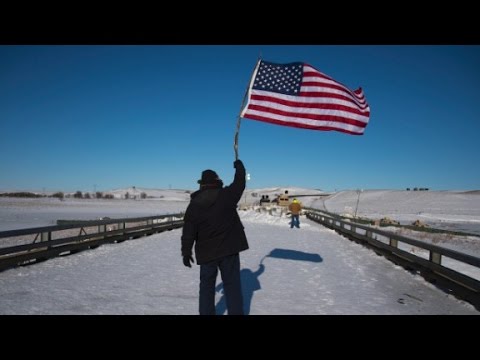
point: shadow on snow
(250, 281)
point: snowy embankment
(431, 207)
(26, 213)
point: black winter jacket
(212, 222)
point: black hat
(208, 177)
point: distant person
(212, 223)
(295, 208)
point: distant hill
(250, 195)
(474, 192)
(158, 194)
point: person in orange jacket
(295, 208)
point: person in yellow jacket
(295, 208)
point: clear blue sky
(106, 117)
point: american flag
(298, 95)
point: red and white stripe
(323, 104)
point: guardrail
(25, 246)
(395, 248)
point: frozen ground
(286, 271)
(25, 213)
(451, 210)
(307, 271)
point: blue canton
(280, 78)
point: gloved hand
(187, 260)
(237, 163)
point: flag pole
(235, 143)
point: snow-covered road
(311, 270)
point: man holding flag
(212, 225)
(295, 95)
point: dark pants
(295, 221)
(230, 271)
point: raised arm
(239, 181)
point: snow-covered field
(454, 210)
(448, 210)
(25, 213)
(451, 210)
(311, 270)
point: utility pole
(359, 191)
(247, 179)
